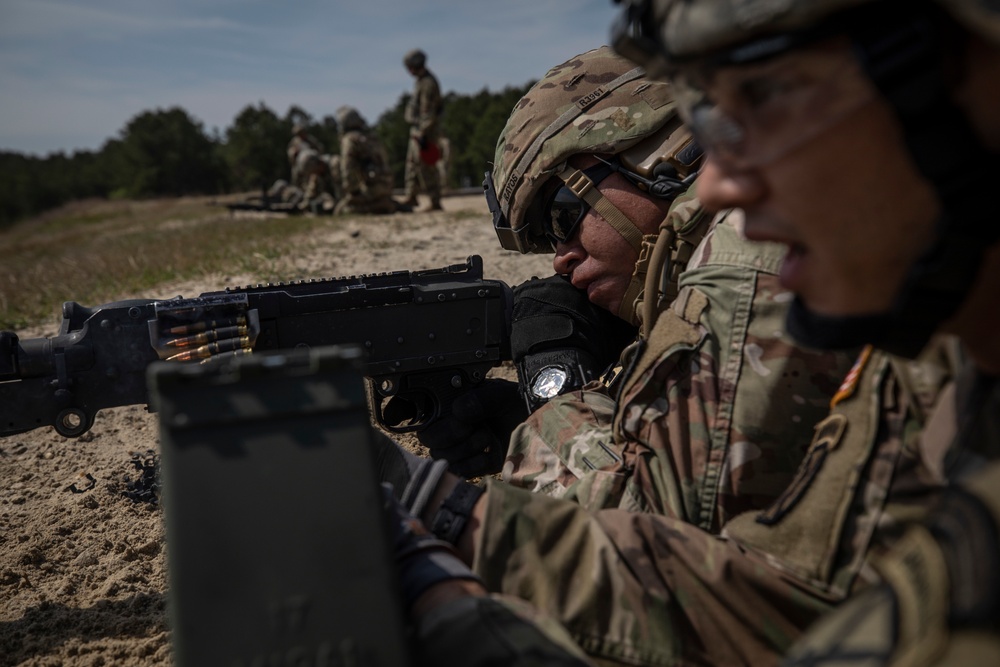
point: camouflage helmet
(595, 103)
(661, 33)
(415, 59)
(349, 119)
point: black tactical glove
(473, 439)
(560, 341)
(422, 559)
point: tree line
(168, 153)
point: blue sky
(73, 72)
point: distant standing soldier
(423, 113)
(301, 140)
(365, 176)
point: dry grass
(97, 251)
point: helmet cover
(696, 28)
(595, 103)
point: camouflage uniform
(313, 170)
(684, 596)
(366, 180)
(936, 598)
(718, 412)
(638, 588)
(423, 114)
(715, 415)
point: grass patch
(95, 252)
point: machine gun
(427, 336)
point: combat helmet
(596, 103)
(662, 33)
(349, 119)
(907, 50)
(415, 59)
(600, 104)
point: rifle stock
(427, 336)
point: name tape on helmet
(564, 119)
(591, 97)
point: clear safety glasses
(753, 114)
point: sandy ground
(83, 577)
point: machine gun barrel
(427, 335)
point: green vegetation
(93, 252)
(168, 153)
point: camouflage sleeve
(496, 630)
(639, 588)
(565, 450)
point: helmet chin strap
(581, 185)
(661, 256)
(953, 160)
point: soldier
(423, 114)
(365, 176)
(728, 405)
(313, 171)
(301, 139)
(774, 131)
(786, 97)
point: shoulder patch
(826, 438)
